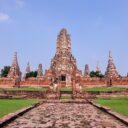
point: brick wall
(90, 82)
(85, 82)
(6, 82)
(35, 82)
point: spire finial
(110, 54)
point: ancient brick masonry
(40, 71)
(98, 68)
(63, 70)
(111, 68)
(86, 72)
(14, 76)
(63, 65)
(111, 74)
(14, 70)
(27, 70)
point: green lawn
(17, 96)
(25, 89)
(66, 89)
(69, 89)
(104, 89)
(119, 105)
(65, 97)
(9, 106)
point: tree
(96, 74)
(31, 74)
(4, 71)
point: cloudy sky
(30, 27)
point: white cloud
(4, 17)
(19, 3)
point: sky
(30, 27)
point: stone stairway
(66, 94)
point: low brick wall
(12, 116)
(35, 82)
(120, 117)
(93, 82)
(123, 93)
(6, 82)
(84, 81)
(28, 94)
(50, 95)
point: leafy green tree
(31, 74)
(4, 71)
(96, 74)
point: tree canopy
(31, 74)
(96, 74)
(4, 71)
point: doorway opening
(63, 78)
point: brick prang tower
(14, 70)
(111, 68)
(63, 65)
(86, 71)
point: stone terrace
(65, 115)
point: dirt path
(67, 115)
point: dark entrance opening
(63, 78)
(109, 82)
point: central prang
(63, 65)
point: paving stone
(65, 115)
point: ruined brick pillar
(111, 72)
(86, 71)
(40, 71)
(98, 67)
(27, 70)
(14, 72)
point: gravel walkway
(65, 115)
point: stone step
(66, 92)
(81, 101)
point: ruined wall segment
(64, 69)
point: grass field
(9, 106)
(104, 89)
(66, 89)
(17, 96)
(65, 97)
(119, 105)
(69, 89)
(25, 89)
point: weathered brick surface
(54, 95)
(66, 115)
(35, 82)
(6, 82)
(63, 69)
(85, 82)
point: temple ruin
(63, 71)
